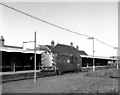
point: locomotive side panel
(65, 63)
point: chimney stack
(1, 41)
(52, 43)
(71, 44)
(77, 47)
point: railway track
(22, 75)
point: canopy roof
(98, 57)
(9, 49)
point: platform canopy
(7, 49)
(98, 57)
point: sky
(98, 19)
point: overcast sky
(98, 19)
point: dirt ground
(68, 83)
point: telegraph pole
(93, 53)
(117, 56)
(35, 57)
(93, 56)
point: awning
(97, 57)
(7, 49)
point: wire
(54, 24)
(44, 20)
(104, 43)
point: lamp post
(35, 58)
(34, 55)
(93, 53)
(117, 56)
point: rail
(29, 71)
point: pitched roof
(50, 47)
(60, 48)
(82, 52)
(43, 47)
